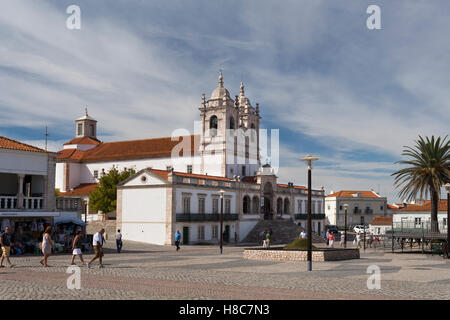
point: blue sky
(352, 96)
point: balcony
(29, 203)
(207, 217)
(314, 216)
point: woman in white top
(47, 244)
(358, 240)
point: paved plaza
(145, 271)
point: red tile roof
(201, 176)
(83, 189)
(85, 140)
(295, 187)
(426, 206)
(6, 143)
(382, 221)
(134, 149)
(350, 194)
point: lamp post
(309, 159)
(447, 188)
(221, 192)
(345, 225)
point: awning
(70, 220)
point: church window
(189, 169)
(231, 123)
(213, 126)
(253, 132)
(80, 129)
(92, 130)
(95, 174)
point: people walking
(119, 241)
(268, 235)
(326, 236)
(330, 239)
(358, 240)
(76, 248)
(303, 234)
(370, 239)
(47, 245)
(264, 239)
(342, 239)
(97, 243)
(177, 239)
(5, 242)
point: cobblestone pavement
(199, 272)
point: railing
(11, 202)
(7, 202)
(304, 216)
(33, 202)
(195, 217)
(368, 211)
(356, 210)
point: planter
(279, 254)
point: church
(183, 183)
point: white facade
(361, 209)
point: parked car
(360, 229)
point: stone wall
(291, 255)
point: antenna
(46, 137)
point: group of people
(266, 235)
(356, 242)
(48, 244)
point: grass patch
(298, 244)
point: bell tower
(86, 127)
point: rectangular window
(186, 205)
(313, 207)
(201, 232)
(215, 204)
(168, 168)
(227, 206)
(201, 205)
(214, 232)
(189, 169)
(417, 221)
(95, 174)
(92, 130)
(80, 129)
(243, 171)
(381, 208)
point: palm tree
(428, 170)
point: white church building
(177, 181)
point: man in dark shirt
(5, 241)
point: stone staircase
(284, 231)
(109, 226)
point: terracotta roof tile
(6, 143)
(382, 221)
(426, 206)
(83, 189)
(350, 194)
(134, 149)
(85, 140)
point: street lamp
(345, 225)
(221, 192)
(447, 188)
(309, 159)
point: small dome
(220, 91)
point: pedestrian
(177, 239)
(76, 248)
(264, 239)
(326, 236)
(268, 235)
(358, 240)
(119, 241)
(5, 242)
(97, 242)
(47, 245)
(342, 239)
(330, 239)
(369, 239)
(303, 234)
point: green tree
(426, 171)
(104, 197)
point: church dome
(220, 91)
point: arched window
(231, 123)
(253, 132)
(246, 205)
(279, 206)
(255, 205)
(213, 126)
